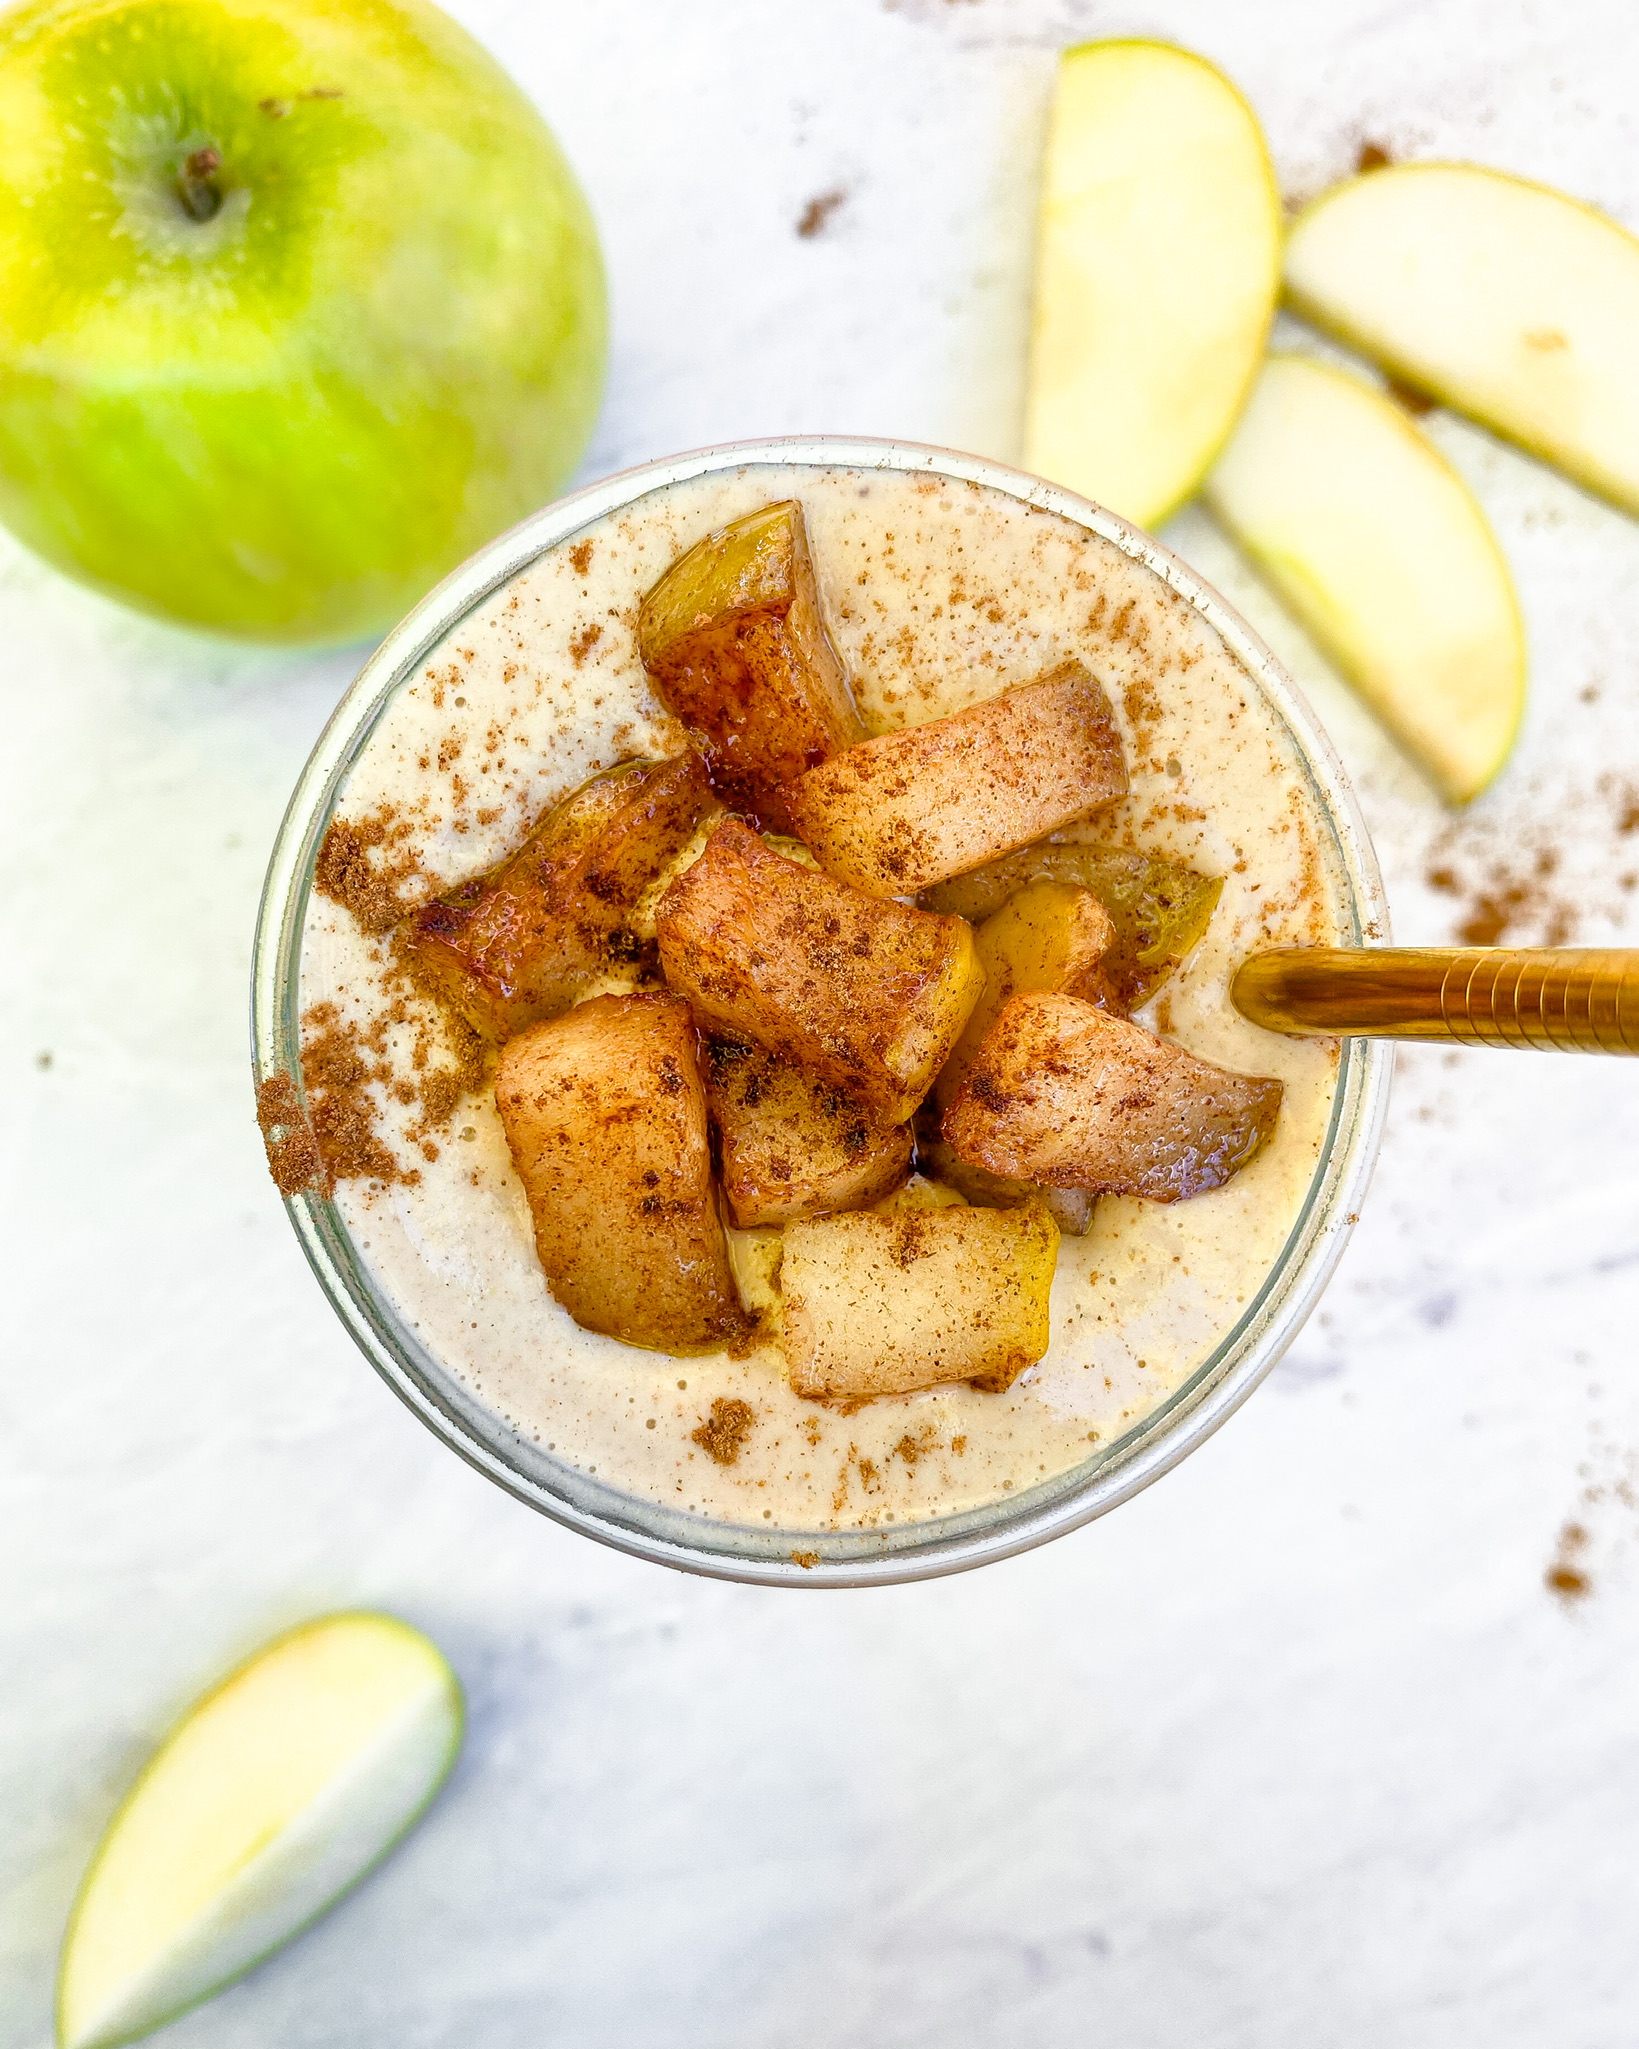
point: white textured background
(1296, 1749)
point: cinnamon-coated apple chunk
(792, 1143)
(908, 809)
(605, 1114)
(516, 946)
(735, 642)
(870, 995)
(1066, 1094)
(1050, 936)
(879, 1304)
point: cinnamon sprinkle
(372, 890)
(292, 1151)
(412, 1051)
(722, 1434)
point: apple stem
(196, 184)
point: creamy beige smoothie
(937, 594)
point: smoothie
(937, 595)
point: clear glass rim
(694, 1543)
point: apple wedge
(265, 1803)
(1502, 299)
(1379, 548)
(1157, 271)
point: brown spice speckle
(1564, 1578)
(818, 211)
(372, 889)
(292, 1151)
(722, 1434)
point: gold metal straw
(1570, 999)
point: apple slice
(1502, 299)
(261, 1807)
(1380, 549)
(1157, 272)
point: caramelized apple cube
(518, 945)
(869, 995)
(1065, 1094)
(908, 809)
(1050, 936)
(792, 1143)
(1159, 908)
(879, 1304)
(605, 1114)
(734, 640)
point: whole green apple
(299, 304)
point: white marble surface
(1295, 1749)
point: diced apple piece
(1070, 1208)
(1068, 1095)
(883, 1304)
(1503, 299)
(516, 946)
(264, 1804)
(793, 1144)
(1051, 936)
(1159, 910)
(1157, 271)
(605, 1114)
(1380, 549)
(870, 995)
(909, 808)
(734, 639)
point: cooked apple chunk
(1050, 936)
(886, 1303)
(1065, 1094)
(910, 808)
(870, 995)
(515, 946)
(733, 637)
(793, 1144)
(605, 1113)
(1159, 909)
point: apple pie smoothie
(937, 595)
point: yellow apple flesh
(1378, 546)
(1157, 272)
(1504, 300)
(262, 1806)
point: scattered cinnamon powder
(1372, 157)
(1564, 1578)
(1507, 897)
(373, 890)
(722, 1434)
(806, 1559)
(292, 1151)
(1518, 868)
(817, 212)
(580, 556)
(339, 1063)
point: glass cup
(763, 1554)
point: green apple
(1379, 548)
(265, 1803)
(1504, 300)
(299, 304)
(1157, 271)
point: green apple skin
(385, 344)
